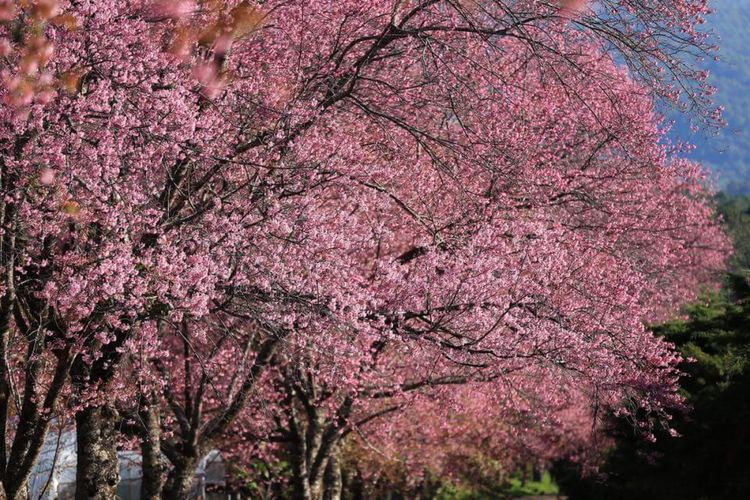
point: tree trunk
(152, 465)
(14, 491)
(333, 484)
(325, 486)
(358, 486)
(97, 473)
(180, 479)
(300, 478)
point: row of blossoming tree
(275, 228)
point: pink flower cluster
(423, 222)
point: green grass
(513, 488)
(544, 487)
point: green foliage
(515, 486)
(736, 213)
(712, 458)
(545, 486)
(261, 479)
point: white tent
(54, 474)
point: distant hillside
(729, 153)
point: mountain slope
(728, 152)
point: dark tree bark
(333, 483)
(357, 487)
(316, 470)
(153, 465)
(180, 478)
(300, 479)
(97, 472)
(36, 411)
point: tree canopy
(263, 228)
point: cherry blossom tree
(486, 434)
(294, 217)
